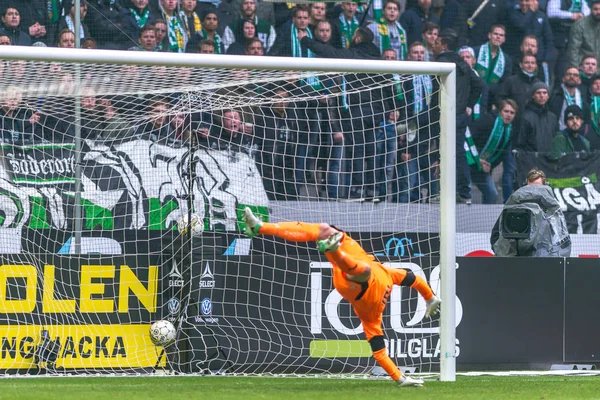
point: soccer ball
(162, 333)
(195, 226)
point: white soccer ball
(162, 333)
(195, 226)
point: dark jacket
(530, 23)
(495, 87)
(130, 26)
(468, 84)
(18, 37)
(536, 128)
(105, 22)
(518, 88)
(412, 21)
(563, 142)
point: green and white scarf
(497, 142)
(71, 27)
(489, 70)
(377, 9)
(313, 81)
(494, 147)
(217, 39)
(423, 88)
(471, 150)
(384, 38)
(348, 29)
(595, 108)
(398, 89)
(176, 34)
(576, 6)
(140, 20)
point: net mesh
(161, 145)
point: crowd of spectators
(521, 65)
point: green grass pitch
(250, 388)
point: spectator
(136, 16)
(146, 39)
(16, 121)
(112, 126)
(245, 31)
(468, 91)
(264, 30)
(490, 146)
(279, 142)
(206, 46)
(176, 35)
(593, 131)
(429, 33)
(161, 29)
(413, 19)
(584, 35)
(4, 39)
(494, 13)
(562, 15)
(210, 26)
(345, 25)
(157, 129)
(387, 31)
(105, 22)
(566, 94)
(288, 39)
(413, 154)
(11, 26)
(571, 140)
(189, 17)
(66, 39)
(529, 20)
(89, 43)
(587, 70)
(36, 22)
(68, 21)
(493, 65)
(468, 55)
(316, 12)
(538, 125)
(254, 47)
(518, 86)
(323, 32)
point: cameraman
(531, 223)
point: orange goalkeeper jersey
(367, 298)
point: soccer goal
(108, 155)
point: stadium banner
(573, 177)
(42, 165)
(136, 184)
(98, 309)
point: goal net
(102, 164)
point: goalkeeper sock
(292, 231)
(387, 364)
(422, 287)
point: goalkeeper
(357, 276)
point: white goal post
(447, 147)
